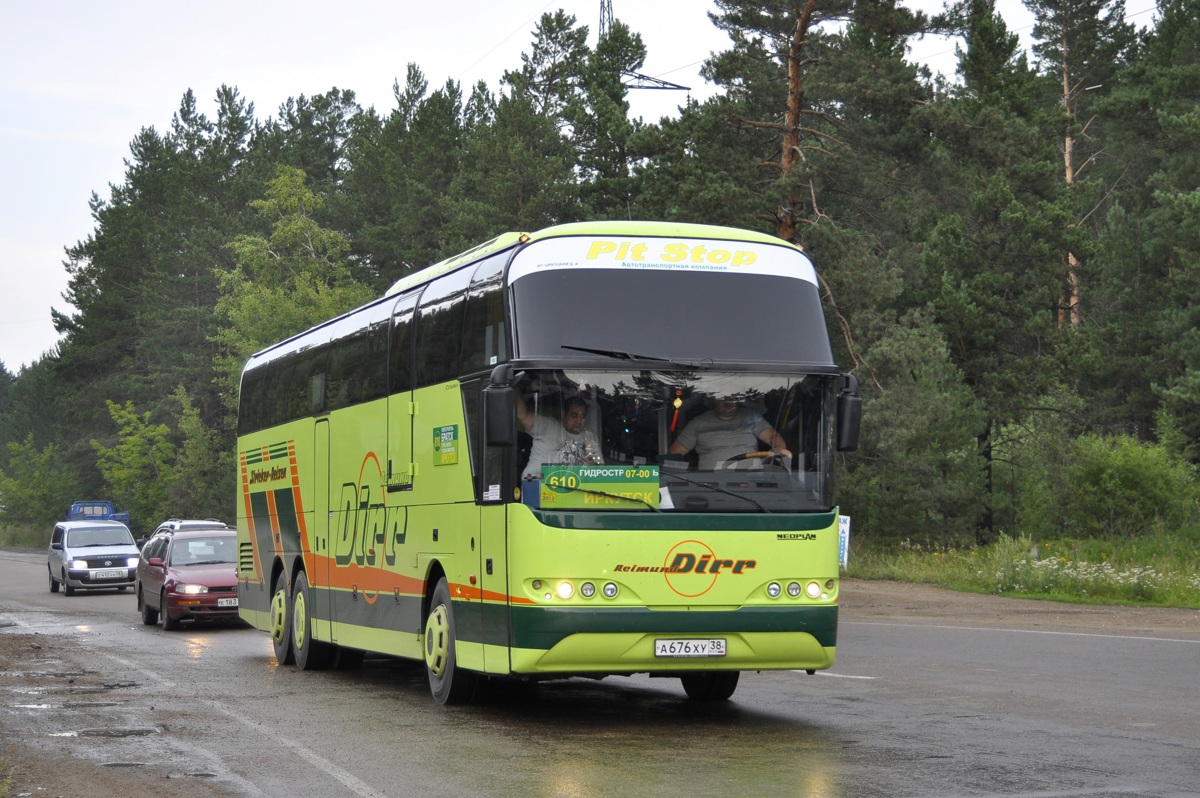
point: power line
(635, 80)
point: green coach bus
(602, 448)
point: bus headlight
(610, 589)
(794, 589)
(565, 590)
(773, 590)
(813, 589)
(587, 590)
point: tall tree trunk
(1069, 303)
(786, 226)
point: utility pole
(634, 80)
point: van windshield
(83, 538)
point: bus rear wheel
(281, 626)
(717, 686)
(448, 683)
(311, 654)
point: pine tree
(1080, 44)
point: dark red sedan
(188, 574)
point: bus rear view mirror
(849, 415)
(499, 415)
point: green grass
(24, 536)
(6, 771)
(1162, 572)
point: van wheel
(281, 623)
(311, 654)
(169, 624)
(149, 616)
(448, 683)
(70, 591)
(53, 581)
(710, 686)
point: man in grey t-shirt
(726, 431)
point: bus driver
(726, 431)
(568, 443)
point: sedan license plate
(690, 648)
(108, 574)
(227, 602)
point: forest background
(1010, 261)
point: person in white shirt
(568, 443)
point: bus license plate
(108, 574)
(690, 648)
(227, 602)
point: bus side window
(400, 365)
(484, 331)
(439, 328)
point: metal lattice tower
(635, 80)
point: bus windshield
(709, 441)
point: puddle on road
(122, 764)
(110, 733)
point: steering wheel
(773, 459)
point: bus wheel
(447, 682)
(710, 686)
(281, 627)
(310, 654)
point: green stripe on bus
(698, 522)
(541, 628)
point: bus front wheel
(710, 686)
(281, 626)
(448, 683)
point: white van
(91, 555)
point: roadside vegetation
(6, 771)
(1152, 571)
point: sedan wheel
(149, 615)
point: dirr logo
(691, 568)
(364, 532)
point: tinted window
(485, 337)
(440, 328)
(735, 318)
(400, 348)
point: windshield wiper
(617, 354)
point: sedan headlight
(191, 590)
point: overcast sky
(80, 78)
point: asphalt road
(933, 694)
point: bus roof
(633, 228)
